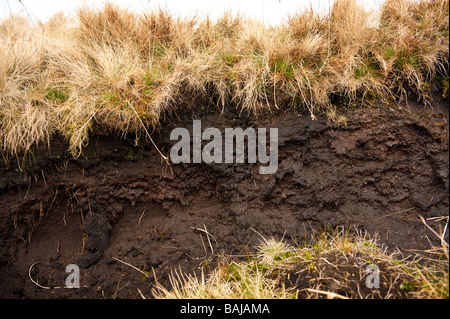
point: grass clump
(75, 76)
(334, 264)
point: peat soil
(126, 217)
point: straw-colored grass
(111, 70)
(333, 264)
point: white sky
(270, 11)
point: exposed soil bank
(377, 173)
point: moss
(133, 154)
(57, 94)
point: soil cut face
(121, 205)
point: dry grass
(332, 265)
(110, 70)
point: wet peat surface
(121, 208)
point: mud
(121, 205)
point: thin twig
(441, 237)
(140, 292)
(25, 10)
(125, 263)
(207, 236)
(140, 218)
(399, 212)
(35, 282)
(330, 295)
(149, 136)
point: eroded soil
(378, 173)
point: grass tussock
(113, 71)
(334, 264)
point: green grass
(57, 94)
(283, 67)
